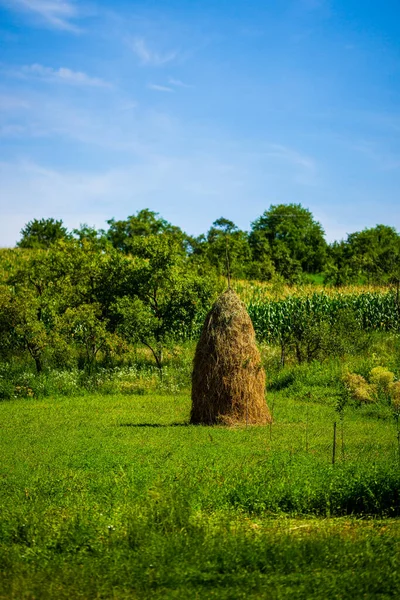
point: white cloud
(150, 57)
(160, 182)
(292, 156)
(61, 75)
(115, 125)
(159, 88)
(55, 13)
(127, 105)
(189, 191)
(178, 83)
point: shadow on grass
(154, 425)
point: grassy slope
(116, 497)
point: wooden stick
(334, 443)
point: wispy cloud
(293, 156)
(150, 57)
(160, 182)
(178, 83)
(61, 75)
(383, 159)
(55, 13)
(159, 88)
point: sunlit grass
(116, 496)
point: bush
(382, 378)
(359, 389)
(6, 389)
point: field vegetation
(117, 496)
(107, 491)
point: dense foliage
(79, 302)
(88, 297)
(284, 242)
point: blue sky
(199, 109)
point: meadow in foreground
(117, 497)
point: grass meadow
(116, 496)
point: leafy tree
(339, 269)
(86, 325)
(21, 326)
(291, 238)
(261, 266)
(96, 237)
(40, 234)
(375, 252)
(49, 284)
(123, 234)
(371, 255)
(225, 243)
(167, 297)
(32, 305)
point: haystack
(228, 380)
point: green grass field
(117, 497)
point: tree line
(87, 297)
(285, 242)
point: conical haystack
(228, 380)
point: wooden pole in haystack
(228, 380)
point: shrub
(395, 395)
(382, 378)
(6, 389)
(358, 388)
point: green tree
(124, 233)
(261, 266)
(338, 268)
(371, 255)
(47, 285)
(41, 233)
(291, 238)
(225, 244)
(96, 237)
(32, 305)
(22, 327)
(375, 253)
(167, 296)
(89, 330)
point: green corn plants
(275, 320)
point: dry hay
(228, 380)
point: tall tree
(41, 233)
(375, 252)
(371, 255)
(96, 237)
(123, 234)
(166, 297)
(292, 238)
(225, 244)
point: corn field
(373, 311)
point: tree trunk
(38, 363)
(158, 356)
